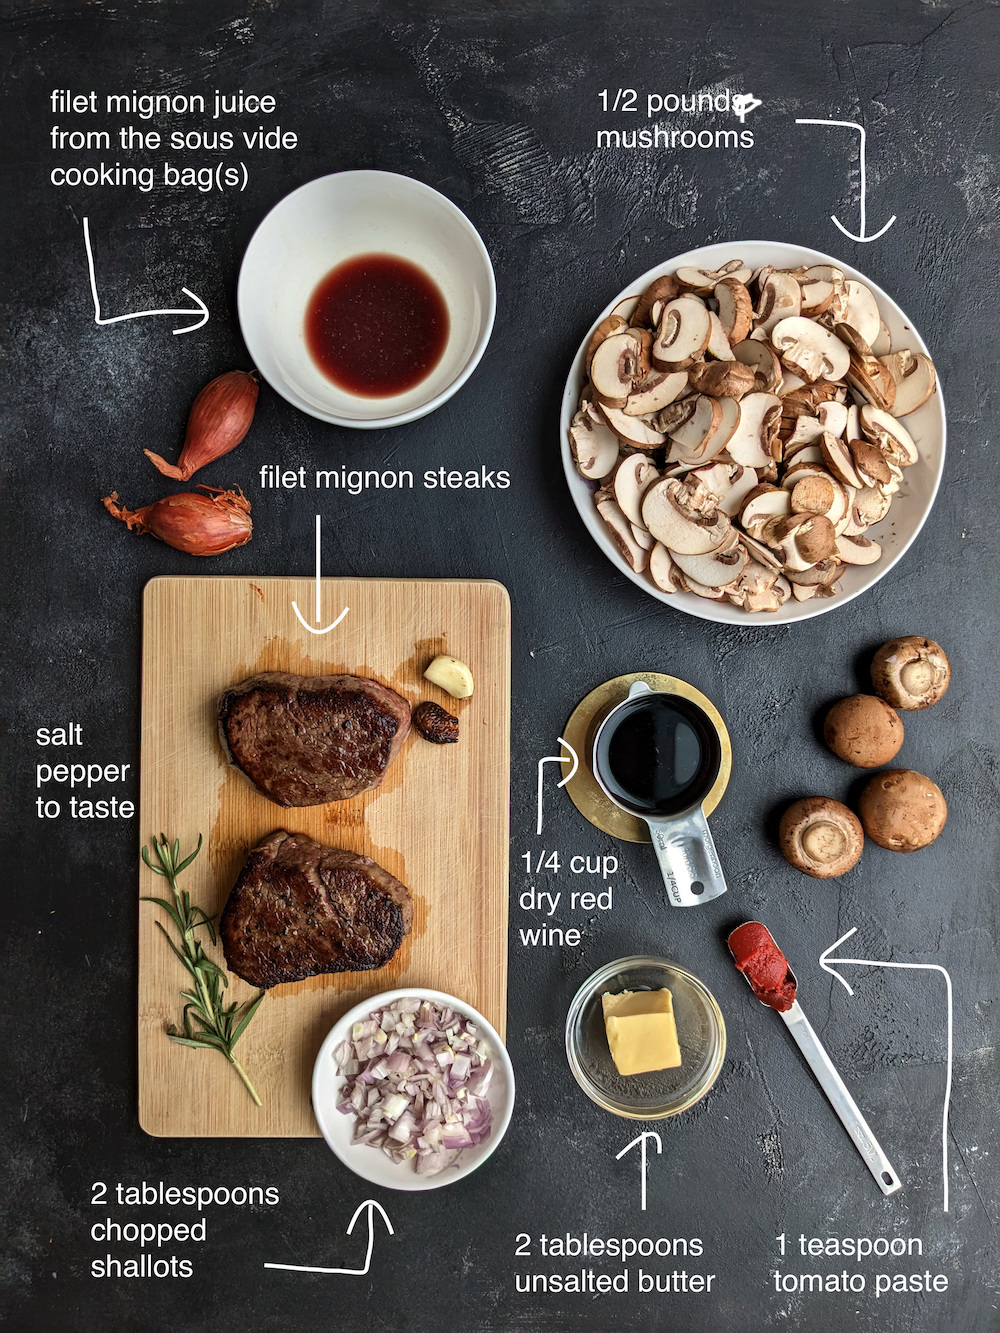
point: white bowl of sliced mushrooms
(753, 427)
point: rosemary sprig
(219, 1027)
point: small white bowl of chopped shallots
(413, 1089)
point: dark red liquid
(376, 325)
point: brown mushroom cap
(820, 837)
(863, 730)
(911, 672)
(902, 810)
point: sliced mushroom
(722, 379)
(735, 308)
(662, 289)
(594, 444)
(753, 443)
(683, 334)
(866, 374)
(857, 550)
(718, 347)
(882, 345)
(703, 281)
(806, 431)
(761, 554)
(685, 517)
(914, 377)
(742, 482)
(635, 431)
(869, 463)
(716, 569)
(617, 367)
(643, 538)
(688, 439)
(802, 453)
(621, 532)
(813, 495)
(893, 439)
(626, 308)
(780, 298)
(816, 298)
(802, 539)
(810, 350)
(656, 391)
(862, 311)
(833, 418)
(662, 569)
(633, 477)
(699, 589)
(837, 457)
(609, 325)
(724, 431)
(762, 361)
(762, 506)
(871, 505)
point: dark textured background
(496, 106)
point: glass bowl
(701, 1033)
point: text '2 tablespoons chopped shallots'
(417, 1075)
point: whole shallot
(219, 419)
(198, 524)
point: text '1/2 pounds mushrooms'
(742, 430)
(911, 672)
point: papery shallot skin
(219, 419)
(208, 524)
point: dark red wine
(376, 325)
(661, 755)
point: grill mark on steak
(299, 909)
(307, 740)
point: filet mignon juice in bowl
(366, 299)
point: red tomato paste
(763, 964)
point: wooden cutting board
(438, 822)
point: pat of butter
(641, 1031)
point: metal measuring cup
(681, 838)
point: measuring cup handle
(688, 860)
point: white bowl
(910, 506)
(331, 219)
(371, 1163)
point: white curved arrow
(641, 1140)
(924, 967)
(319, 590)
(201, 307)
(371, 1205)
(853, 125)
(572, 758)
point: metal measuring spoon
(682, 841)
(778, 993)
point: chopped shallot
(416, 1077)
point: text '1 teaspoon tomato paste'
(763, 964)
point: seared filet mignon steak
(299, 908)
(306, 740)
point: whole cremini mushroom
(820, 837)
(863, 730)
(902, 811)
(911, 672)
